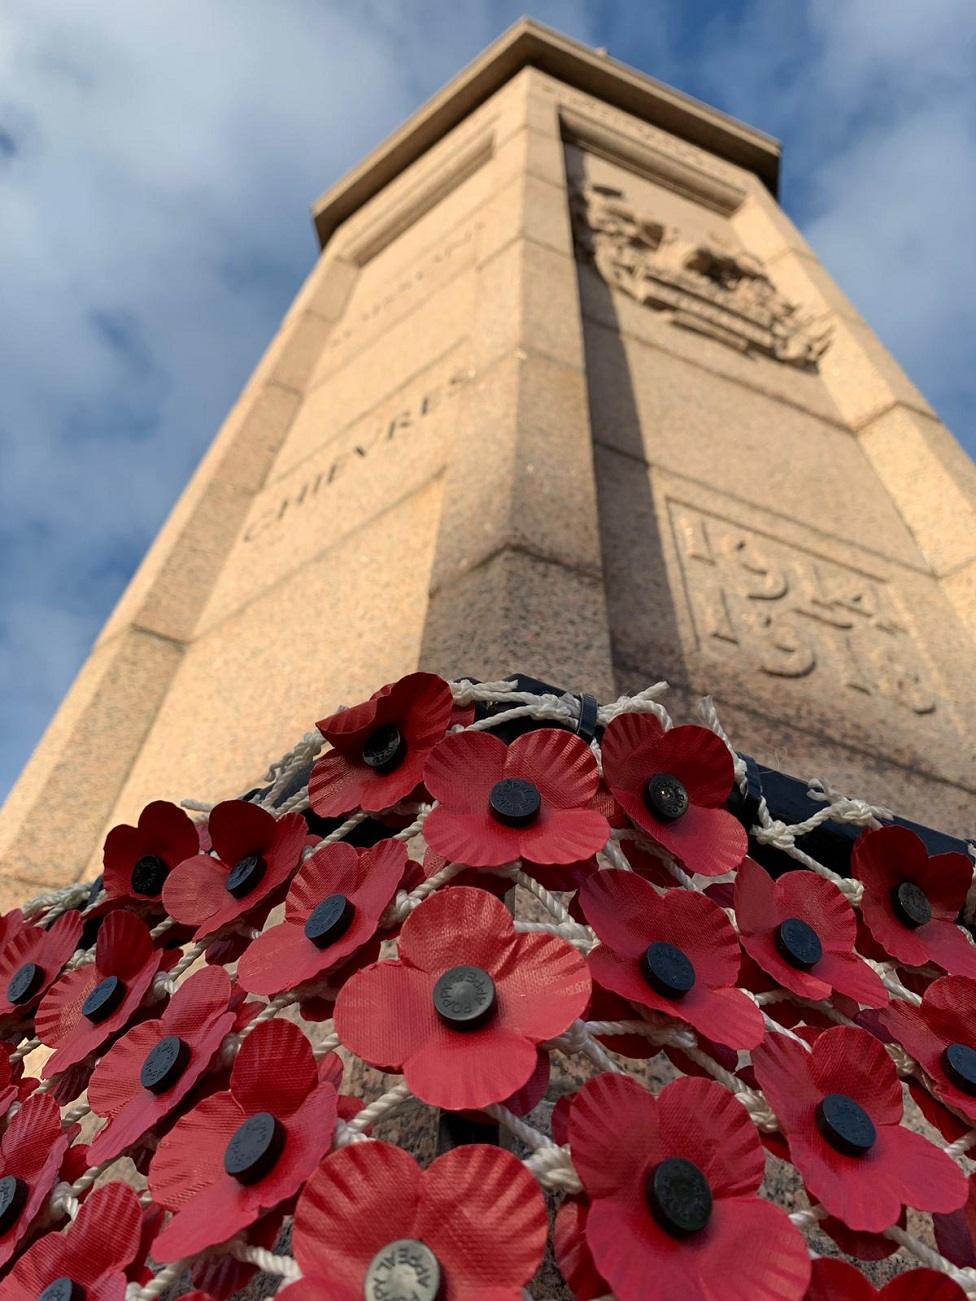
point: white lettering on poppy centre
(793, 614)
(326, 471)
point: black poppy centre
(679, 1196)
(798, 943)
(404, 1268)
(959, 1063)
(149, 875)
(911, 904)
(845, 1124)
(26, 982)
(13, 1197)
(254, 1148)
(246, 875)
(164, 1064)
(63, 1289)
(330, 920)
(514, 801)
(464, 997)
(666, 797)
(104, 999)
(385, 749)
(668, 970)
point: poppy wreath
(637, 940)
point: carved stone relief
(791, 614)
(703, 285)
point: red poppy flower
(150, 1070)
(955, 1233)
(840, 1107)
(221, 1275)
(137, 860)
(256, 854)
(241, 1152)
(92, 1253)
(481, 878)
(672, 1182)
(88, 1005)
(673, 785)
(379, 748)
(834, 1280)
(333, 906)
(371, 1222)
(13, 1085)
(941, 1036)
(674, 953)
(911, 901)
(31, 1151)
(573, 1257)
(462, 1010)
(530, 799)
(31, 960)
(801, 930)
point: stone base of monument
(493, 988)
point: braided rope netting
(554, 906)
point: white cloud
(156, 165)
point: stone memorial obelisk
(565, 393)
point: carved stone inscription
(702, 285)
(330, 465)
(795, 615)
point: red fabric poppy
(834, 1280)
(367, 1197)
(639, 927)
(891, 860)
(221, 1275)
(529, 988)
(197, 1017)
(764, 906)
(498, 803)
(941, 1036)
(892, 1167)
(379, 748)
(705, 838)
(646, 1163)
(31, 1150)
(13, 1085)
(275, 1075)
(955, 1233)
(348, 890)
(481, 878)
(31, 960)
(256, 854)
(573, 1257)
(86, 1252)
(124, 968)
(137, 860)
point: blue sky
(157, 161)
